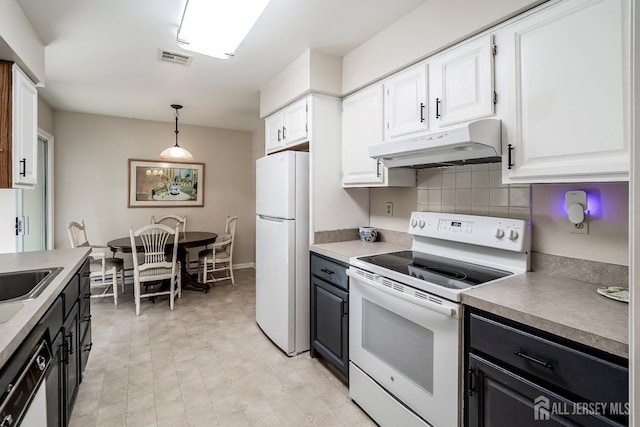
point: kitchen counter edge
(16, 329)
(343, 251)
(564, 307)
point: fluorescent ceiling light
(217, 27)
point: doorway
(35, 206)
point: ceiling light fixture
(176, 152)
(216, 27)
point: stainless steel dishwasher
(22, 382)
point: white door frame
(634, 223)
(49, 191)
(48, 194)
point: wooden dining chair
(220, 257)
(100, 265)
(155, 266)
(172, 221)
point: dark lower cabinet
(330, 313)
(520, 376)
(71, 361)
(55, 377)
(71, 343)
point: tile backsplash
(472, 189)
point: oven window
(402, 344)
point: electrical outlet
(389, 208)
(582, 228)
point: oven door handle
(447, 311)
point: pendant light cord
(177, 108)
(177, 127)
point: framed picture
(165, 184)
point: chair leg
(172, 295)
(114, 285)
(205, 263)
(233, 282)
(122, 278)
(179, 284)
(136, 296)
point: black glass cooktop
(435, 269)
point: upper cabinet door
(362, 127)
(405, 104)
(273, 132)
(461, 83)
(566, 71)
(295, 122)
(25, 130)
(287, 127)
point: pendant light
(176, 152)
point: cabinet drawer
(587, 376)
(70, 294)
(85, 349)
(85, 300)
(53, 318)
(330, 271)
(85, 319)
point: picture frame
(155, 184)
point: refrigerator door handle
(270, 218)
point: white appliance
(475, 142)
(282, 249)
(406, 319)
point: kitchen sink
(25, 285)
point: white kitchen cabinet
(405, 103)
(273, 132)
(362, 126)
(461, 83)
(287, 127)
(565, 71)
(25, 130)
(18, 128)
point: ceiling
(101, 56)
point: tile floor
(204, 364)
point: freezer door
(275, 280)
(276, 185)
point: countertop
(342, 251)
(16, 329)
(568, 308)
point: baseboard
(128, 272)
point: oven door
(407, 341)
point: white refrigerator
(282, 249)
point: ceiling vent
(175, 58)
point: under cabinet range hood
(471, 143)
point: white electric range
(405, 314)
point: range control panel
(502, 233)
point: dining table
(186, 239)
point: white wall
(608, 238)
(19, 41)
(7, 220)
(332, 207)
(431, 27)
(91, 168)
(313, 71)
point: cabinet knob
(437, 108)
(23, 167)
